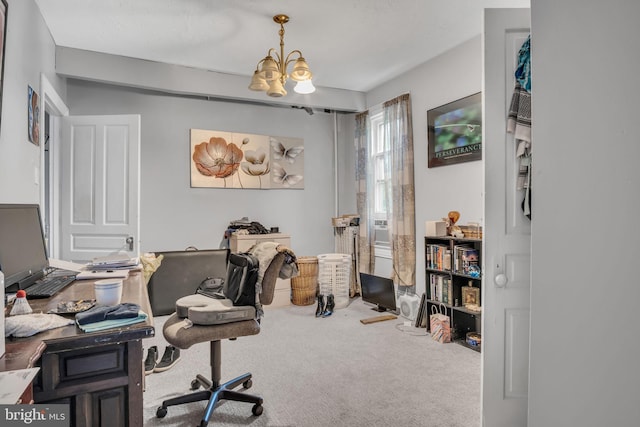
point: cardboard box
(435, 228)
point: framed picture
(3, 43)
(470, 296)
(34, 117)
(455, 132)
(222, 159)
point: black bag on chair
(242, 276)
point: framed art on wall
(454, 132)
(33, 116)
(240, 160)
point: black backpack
(242, 276)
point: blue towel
(114, 323)
(125, 310)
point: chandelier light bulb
(300, 70)
(276, 89)
(304, 87)
(258, 83)
(270, 70)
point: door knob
(501, 280)
(130, 242)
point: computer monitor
(379, 291)
(23, 254)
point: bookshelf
(454, 278)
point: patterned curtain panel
(365, 194)
(399, 136)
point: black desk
(98, 374)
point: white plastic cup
(108, 291)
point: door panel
(518, 270)
(100, 186)
(82, 179)
(516, 353)
(507, 241)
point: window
(379, 150)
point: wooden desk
(98, 374)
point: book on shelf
(438, 257)
(441, 288)
(445, 290)
(466, 260)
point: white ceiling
(349, 44)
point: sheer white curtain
(365, 188)
(401, 221)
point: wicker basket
(304, 286)
(471, 231)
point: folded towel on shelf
(125, 310)
(141, 316)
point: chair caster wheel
(247, 384)
(195, 384)
(257, 409)
(161, 412)
(203, 424)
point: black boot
(321, 306)
(328, 309)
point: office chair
(175, 333)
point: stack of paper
(108, 267)
(114, 262)
(102, 274)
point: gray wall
(346, 164)
(29, 52)
(584, 289)
(173, 215)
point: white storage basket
(334, 275)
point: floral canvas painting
(239, 160)
(33, 113)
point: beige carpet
(331, 371)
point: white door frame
(51, 102)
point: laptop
(23, 253)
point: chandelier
(271, 73)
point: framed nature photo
(455, 132)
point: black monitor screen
(23, 256)
(379, 291)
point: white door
(100, 183)
(507, 241)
